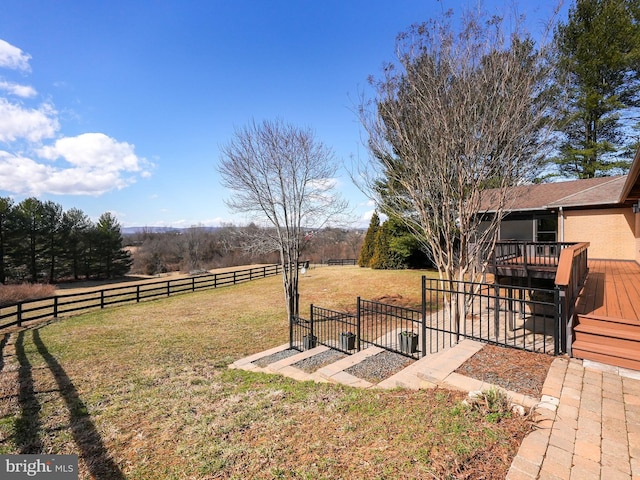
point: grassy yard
(143, 392)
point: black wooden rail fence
(59, 305)
(519, 317)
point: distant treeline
(203, 248)
(39, 242)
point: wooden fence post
(19, 314)
(55, 307)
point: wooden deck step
(608, 334)
(620, 357)
(630, 325)
(614, 341)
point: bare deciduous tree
(282, 174)
(460, 112)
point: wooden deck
(612, 289)
(607, 327)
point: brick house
(601, 211)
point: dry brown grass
(143, 391)
(10, 294)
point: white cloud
(95, 151)
(24, 91)
(13, 58)
(17, 122)
(89, 164)
(98, 164)
(19, 174)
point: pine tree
(366, 252)
(599, 53)
(382, 256)
(113, 260)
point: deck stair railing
(570, 277)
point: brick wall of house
(613, 233)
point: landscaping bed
(510, 368)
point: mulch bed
(516, 370)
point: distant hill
(134, 230)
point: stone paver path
(589, 425)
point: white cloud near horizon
(13, 58)
(86, 164)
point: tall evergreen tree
(113, 260)
(29, 242)
(599, 52)
(75, 226)
(6, 216)
(366, 252)
(52, 240)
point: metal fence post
(424, 315)
(358, 326)
(291, 331)
(312, 333)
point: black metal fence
(59, 305)
(514, 316)
(390, 327)
(520, 317)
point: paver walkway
(589, 427)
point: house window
(547, 228)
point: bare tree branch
(460, 112)
(281, 173)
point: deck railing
(535, 254)
(570, 276)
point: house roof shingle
(588, 192)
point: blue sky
(122, 106)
